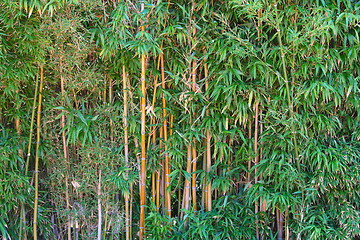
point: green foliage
(298, 151)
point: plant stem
(208, 191)
(143, 144)
(99, 207)
(38, 137)
(126, 150)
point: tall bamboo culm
(143, 143)
(165, 132)
(65, 149)
(208, 191)
(38, 138)
(126, 152)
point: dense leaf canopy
(235, 119)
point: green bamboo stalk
(38, 138)
(23, 213)
(31, 128)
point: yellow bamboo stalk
(152, 137)
(126, 151)
(256, 136)
(193, 179)
(143, 145)
(38, 138)
(194, 155)
(186, 195)
(159, 177)
(167, 168)
(208, 148)
(111, 93)
(249, 162)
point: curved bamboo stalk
(38, 137)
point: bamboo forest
(179, 119)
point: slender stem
(193, 180)
(187, 198)
(31, 128)
(289, 93)
(65, 151)
(99, 207)
(38, 137)
(167, 168)
(208, 148)
(126, 150)
(256, 137)
(143, 144)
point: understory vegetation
(179, 119)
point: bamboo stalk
(204, 182)
(187, 198)
(143, 145)
(38, 137)
(65, 151)
(31, 128)
(193, 180)
(152, 137)
(290, 103)
(111, 93)
(256, 136)
(249, 162)
(99, 207)
(167, 168)
(23, 213)
(126, 150)
(160, 178)
(208, 148)
(194, 155)
(21, 154)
